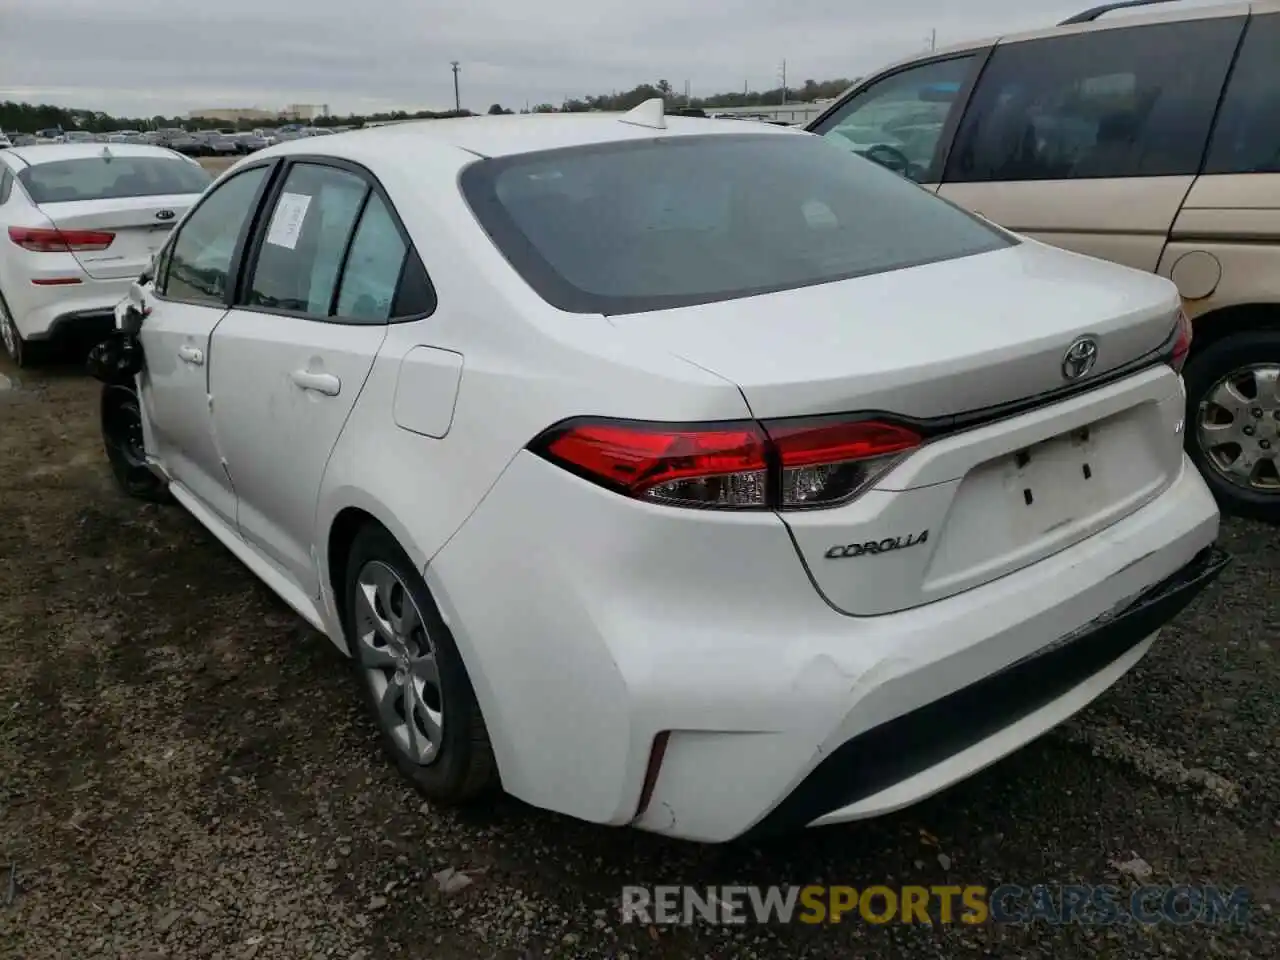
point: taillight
(46, 240)
(781, 464)
(1181, 341)
(830, 461)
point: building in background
(297, 112)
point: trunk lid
(941, 340)
(140, 225)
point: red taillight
(45, 240)
(830, 461)
(741, 465)
(1181, 342)
(714, 466)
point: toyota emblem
(1080, 358)
(164, 214)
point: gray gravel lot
(184, 772)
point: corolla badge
(875, 547)
(1080, 358)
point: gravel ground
(184, 772)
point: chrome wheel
(399, 662)
(1238, 428)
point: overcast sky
(145, 57)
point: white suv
(666, 471)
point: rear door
(1090, 140)
(291, 358)
(904, 119)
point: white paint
(590, 622)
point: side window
(305, 238)
(6, 184)
(373, 267)
(1246, 138)
(898, 121)
(198, 268)
(1117, 102)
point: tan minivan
(1148, 138)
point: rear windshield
(655, 224)
(97, 178)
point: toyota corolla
(666, 472)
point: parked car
(697, 476)
(80, 222)
(189, 145)
(222, 144)
(249, 142)
(1152, 140)
(5, 142)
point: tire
(122, 440)
(23, 353)
(1241, 359)
(455, 765)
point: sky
(148, 57)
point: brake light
(47, 240)
(1181, 341)
(781, 464)
(832, 461)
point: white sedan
(666, 471)
(79, 223)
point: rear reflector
(1181, 342)
(46, 240)
(54, 281)
(785, 464)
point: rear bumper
(592, 624)
(889, 766)
(46, 313)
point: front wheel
(123, 441)
(1233, 421)
(413, 678)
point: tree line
(29, 117)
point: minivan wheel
(1233, 420)
(412, 676)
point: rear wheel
(413, 678)
(122, 439)
(1233, 412)
(22, 352)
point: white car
(684, 474)
(78, 224)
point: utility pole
(784, 83)
(933, 39)
(457, 101)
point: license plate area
(1055, 482)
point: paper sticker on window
(286, 223)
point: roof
(52, 152)
(495, 136)
(1170, 12)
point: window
(647, 225)
(1246, 138)
(100, 178)
(305, 239)
(199, 260)
(898, 121)
(372, 271)
(1120, 102)
(6, 184)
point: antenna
(648, 114)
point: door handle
(192, 355)
(325, 383)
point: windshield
(99, 178)
(650, 225)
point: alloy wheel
(400, 662)
(1238, 428)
